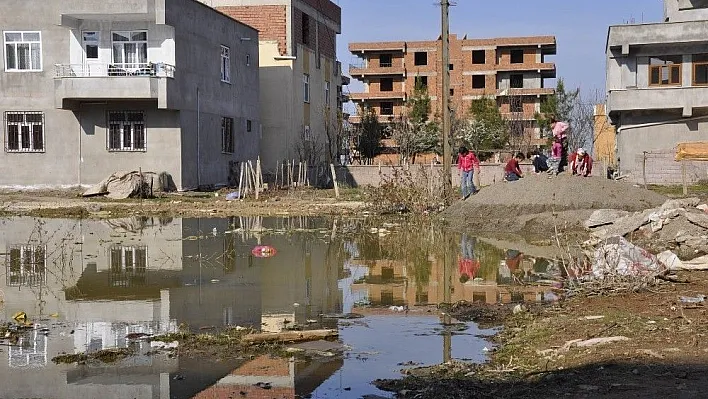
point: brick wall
(269, 20)
(662, 169)
(309, 36)
(327, 9)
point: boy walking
(467, 162)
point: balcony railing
(90, 70)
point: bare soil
(666, 355)
(537, 206)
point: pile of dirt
(495, 207)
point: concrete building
(90, 88)
(511, 70)
(657, 88)
(300, 77)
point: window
(478, 57)
(665, 71)
(130, 49)
(385, 60)
(126, 131)
(421, 81)
(23, 51)
(516, 105)
(227, 135)
(326, 93)
(420, 58)
(24, 132)
(451, 67)
(249, 126)
(516, 81)
(128, 266)
(305, 29)
(386, 108)
(90, 40)
(479, 81)
(26, 265)
(306, 87)
(517, 56)
(306, 133)
(700, 69)
(225, 65)
(452, 92)
(386, 84)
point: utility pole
(445, 101)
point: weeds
(416, 189)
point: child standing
(467, 162)
(559, 150)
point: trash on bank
(122, 185)
(164, 345)
(693, 299)
(617, 256)
(263, 251)
(21, 318)
(233, 196)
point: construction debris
(122, 185)
(619, 257)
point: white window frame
(24, 125)
(121, 124)
(12, 44)
(95, 41)
(306, 87)
(225, 64)
(227, 135)
(129, 66)
(327, 93)
(32, 270)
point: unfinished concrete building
(511, 70)
(657, 91)
(300, 77)
(90, 88)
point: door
(92, 64)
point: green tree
(370, 134)
(414, 132)
(560, 106)
(485, 130)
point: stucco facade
(297, 54)
(657, 87)
(88, 89)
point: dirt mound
(498, 205)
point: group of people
(579, 162)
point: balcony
(548, 69)
(111, 82)
(681, 98)
(377, 46)
(662, 33)
(380, 95)
(526, 92)
(380, 70)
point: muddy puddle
(94, 285)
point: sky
(580, 27)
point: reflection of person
(467, 163)
(581, 163)
(512, 170)
(468, 265)
(513, 259)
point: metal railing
(160, 70)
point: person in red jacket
(580, 163)
(512, 170)
(467, 163)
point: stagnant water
(93, 282)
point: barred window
(26, 265)
(227, 135)
(24, 131)
(128, 266)
(126, 131)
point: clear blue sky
(580, 27)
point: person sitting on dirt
(580, 163)
(540, 162)
(467, 163)
(512, 170)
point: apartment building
(300, 77)
(511, 70)
(657, 91)
(90, 88)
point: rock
(670, 260)
(590, 342)
(680, 203)
(703, 207)
(602, 217)
(624, 226)
(698, 219)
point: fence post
(334, 179)
(644, 169)
(683, 178)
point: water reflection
(95, 284)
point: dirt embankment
(536, 205)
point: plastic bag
(617, 256)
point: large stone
(680, 203)
(602, 217)
(699, 219)
(624, 226)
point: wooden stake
(683, 178)
(240, 181)
(334, 179)
(307, 181)
(644, 169)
